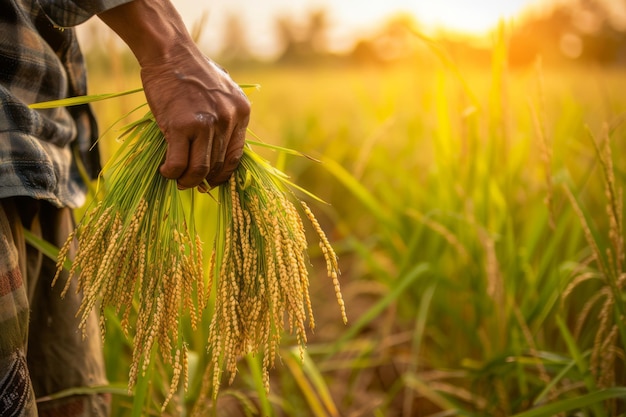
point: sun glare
(469, 17)
(475, 17)
(350, 19)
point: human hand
(203, 114)
(198, 107)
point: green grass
(477, 217)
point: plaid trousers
(42, 351)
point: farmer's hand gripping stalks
(140, 254)
(200, 109)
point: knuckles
(197, 171)
(206, 116)
(173, 169)
(243, 106)
(217, 109)
(233, 107)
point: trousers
(42, 352)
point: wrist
(152, 29)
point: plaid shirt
(40, 61)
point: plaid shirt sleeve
(39, 61)
(67, 13)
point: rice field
(478, 218)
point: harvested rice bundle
(138, 252)
(263, 277)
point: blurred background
(280, 30)
(472, 158)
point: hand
(203, 115)
(200, 110)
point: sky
(348, 19)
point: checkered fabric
(41, 61)
(16, 394)
(41, 350)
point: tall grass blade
(592, 400)
(576, 354)
(361, 193)
(420, 326)
(75, 101)
(427, 391)
(115, 389)
(583, 368)
(449, 63)
(92, 98)
(254, 365)
(315, 405)
(317, 379)
(45, 247)
(556, 380)
(141, 398)
(403, 283)
(281, 149)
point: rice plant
(139, 253)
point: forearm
(153, 29)
(201, 111)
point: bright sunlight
(457, 15)
(349, 19)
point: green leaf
(403, 283)
(282, 149)
(553, 383)
(142, 387)
(246, 86)
(115, 389)
(361, 193)
(425, 390)
(257, 377)
(315, 405)
(588, 400)
(45, 247)
(90, 98)
(315, 376)
(75, 101)
(576, 354)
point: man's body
(199, 108)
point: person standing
(199, 108)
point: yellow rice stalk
(138, 252)
(263, 277)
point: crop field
(477, 214)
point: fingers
(199, 161)
(227, 160)
(203, 115)
(198, 165)
(187, 158)
(226, 154)
(227, 147)
(176, 157)
(210, 153)
(219, 146)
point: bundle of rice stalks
(139, 253)
(262, 268)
